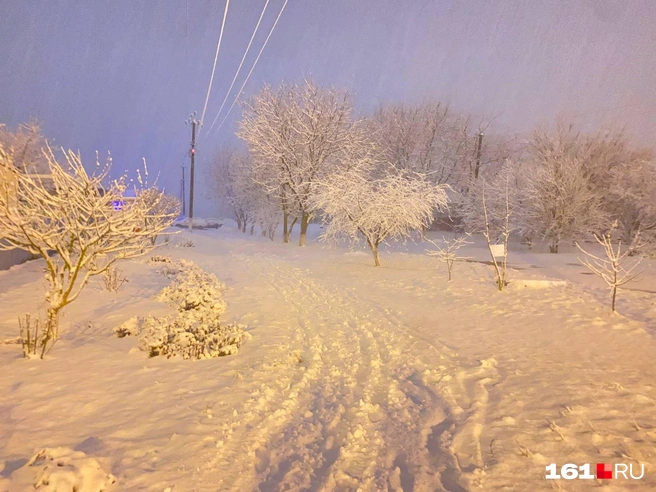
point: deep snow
(356, 378)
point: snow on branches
(84, 219)
(561, 201)
(234, 179)
(388, 207)
(297, 135)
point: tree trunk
(252, 228)
(291, 229)
(51, 330)
(614, 297)
(285, 227)
(53, 320)
(305, 219)
(553, 247)
(374, 250)
(243, 227)
(239, 223)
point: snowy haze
(123, 76)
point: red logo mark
(604, 471)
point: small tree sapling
(500, 267)
(613, 269)
(448, 251)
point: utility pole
(479, 145)
(192, 152)
(183, 193)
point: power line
(216, 56)
(253, 67)
(239, 68)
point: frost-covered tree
(428, 138)
(80, 224)
(297, 135)
(235, 181)
(432, 139)
(229, 170)
(25, 146)
(627, 179)
(358, 204)
(561, 201)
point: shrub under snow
(195, 330)
(61, 470)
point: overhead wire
(241, 63)
(216, 57)
(253, 67)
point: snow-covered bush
(195, 330)
(61, 470)
(199, 223)
(193, 289)
(190, 337)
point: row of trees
(565, 186)
(388, 174)
(308, 155)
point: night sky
(124, 75)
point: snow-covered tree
(561, 201)
(235, 181)
(229, 169)
(24, 147)
(297, 135)
(490, 207)
(358, 205)
(158, 204)
(84, 219)
(627, 179)
(500, 239)
(432, 139)
(429, 139)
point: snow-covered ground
(356, 377)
